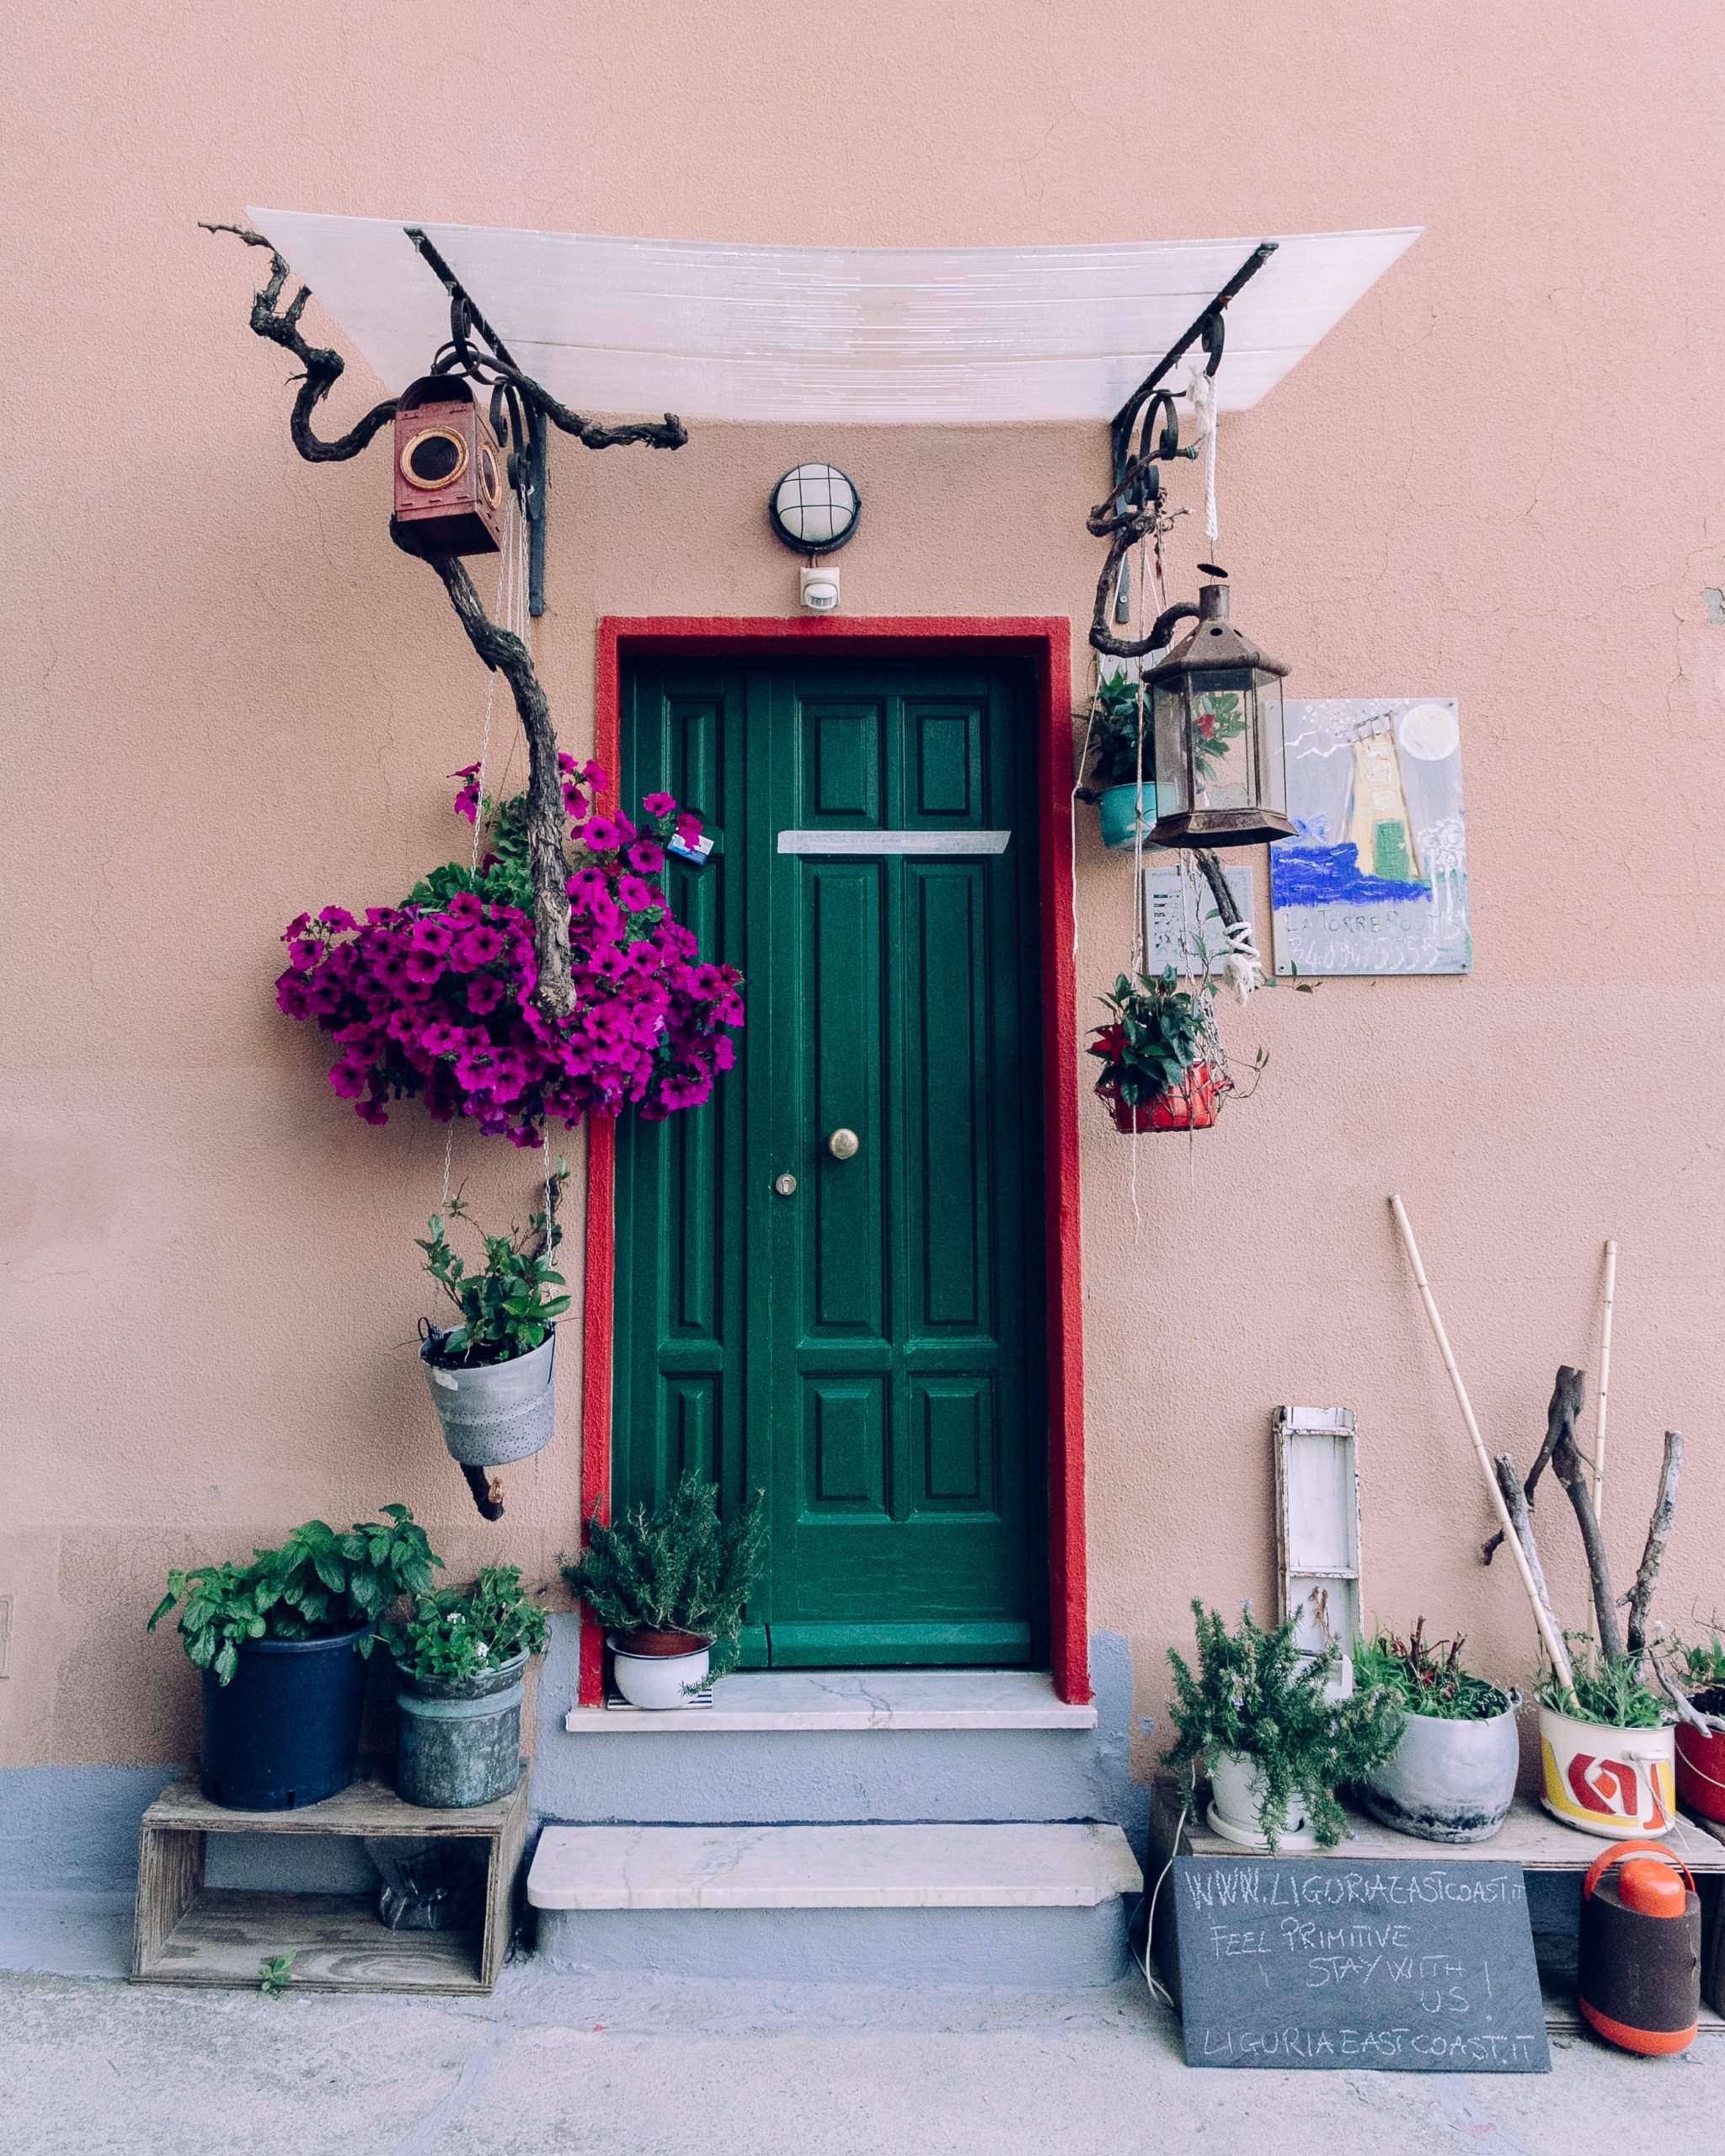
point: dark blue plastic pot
(285, 1733)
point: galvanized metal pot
(460, 1743)
(496, 1413)
(1448, 1781)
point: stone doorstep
(849, 1867)
(787, 1700)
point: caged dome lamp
(1216, 717)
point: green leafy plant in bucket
(1426, 1676)
(1116, 758)
(679, 1568)
(319, 1582)
(1153, 1039)
(507, 1310)
(1255, 1694)
(459, 1633)
(1609, 1689)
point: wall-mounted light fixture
(814, 510)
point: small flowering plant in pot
(491, 1375)
(281, 1641)
(1452, 1776)
(461, 1659)
(670, 1586)
(1277, 1749)
(433, 999)
(1155, 1074)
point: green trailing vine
(679, 1568)
(1255, 1694)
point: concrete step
(941, 1903)
(824, 1747)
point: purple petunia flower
(647, 856)
(659, 804)
(602, 833)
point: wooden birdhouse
(449, 471)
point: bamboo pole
(1605, 1385)
(1556, 1652)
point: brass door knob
(843, 1144)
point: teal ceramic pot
(1115, 810)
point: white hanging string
(1201, 395)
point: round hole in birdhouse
(435, 457)
(488, 477)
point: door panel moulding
(1047, 641)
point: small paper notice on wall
(1181, 927)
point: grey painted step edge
(1020, 1866)
(787, 1699)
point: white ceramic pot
(1236, 1788)
(658, 1680)
(1614, 1783)
(1447, 1781)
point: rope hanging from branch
(501, 650)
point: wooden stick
(1567, 1466)
(1604, 1383)
(1560, 1407)
(1515, 1497)
(1552, 1637)
(1658, 1533)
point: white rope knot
(1201, 395)
(1242, 969)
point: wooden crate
(1529, 1837)
(186, 1933)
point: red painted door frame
(1047, 641)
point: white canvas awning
(889, 336)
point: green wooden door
(867, 1347)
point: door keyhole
(786, 1185)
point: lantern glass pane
(1272, 754)
(1173, 775)
(1224, 738)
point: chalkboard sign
(1413, 1969)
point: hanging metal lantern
(1216, 716)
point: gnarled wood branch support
(1658, 1533)
(505, 654)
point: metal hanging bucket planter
(459, 1743)
(494, 1412)
(1124, 812)
(1607, 1781)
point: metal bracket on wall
(533, 493)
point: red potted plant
(1155, 1074)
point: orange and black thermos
(1638, 1967)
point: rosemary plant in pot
(490, 1375)
(282, 1642)
(461, 1659)
(1155, 1075)
(1121, 780)
(1451, 1777)
(670, 1586)
(1277, 1750)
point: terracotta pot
(1701, 1761)
(644, 1640)
(1189, 1106)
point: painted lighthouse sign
(1376, 880)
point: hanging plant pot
(459, 1741)
(1448, 1780)
(658, 1669)
(1701, 1761)
(1189, 1106)
(1125, 811)
(494, 1412)
(1608, 1781)
(284, 1732)
(1236, 1789)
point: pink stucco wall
(231, 697)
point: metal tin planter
(460, 1744)
(1701, 1762)
(285, 1731)
(498, 1412)
(1113, 808)
(1612, 1782)
(1448, 1781)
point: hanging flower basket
(434, 998)
(1156, 1075)
(1190, 1105)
